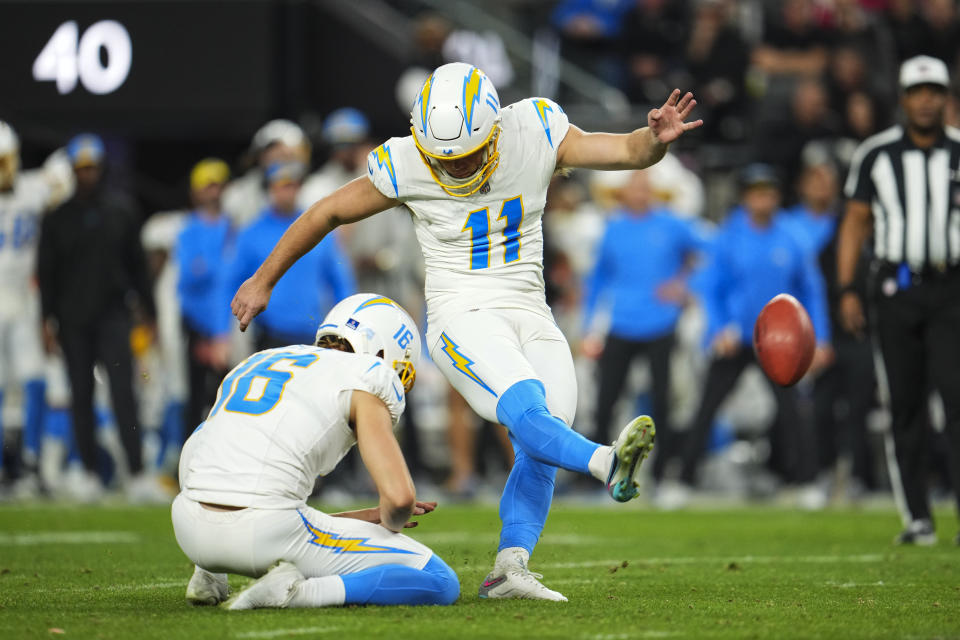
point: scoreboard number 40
(69, 57)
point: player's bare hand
(726, 343)
(668, 122)
(592, 346)
(251, 298)
(420, 509)
(851, 314)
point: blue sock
(525, 502)
(388, 584)
(34, 405)
(523, 410)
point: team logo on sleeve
(384, 160)
(542, 106)
(471, 96)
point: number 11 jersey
(483, 251)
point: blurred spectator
(589, 31)
(779, 142)
(276, 141)
(346, 132)
(862, 31)
(90, 262)
(309, 289)
(201, 252)
(908, 28)
(847, 75)
(793, 43)
(23, 200)
(942, 38)
(844, 391)
(436, 42)
(430, 31)
(717, 57)
(645, 293)
(755, 256)
(652, 36)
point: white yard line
(274, 633)
(826, 559)
(68, 537)
(648, 633)
(467, 537)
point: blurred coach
(89, 265)
(906, 181)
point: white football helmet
(456, 113)
(376, 325)
(9, 156)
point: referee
(906, 181)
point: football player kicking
(282, 417)
(474, 177)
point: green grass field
(116, 572)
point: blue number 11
(478, 222)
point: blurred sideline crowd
(116, 332)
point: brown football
(783, 340)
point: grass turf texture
(116, 572)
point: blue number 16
(238, 398)
(478, 222)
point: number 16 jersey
(483, 251)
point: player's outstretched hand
(420, 509)
(251, 298)
(667, 122)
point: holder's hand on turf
(251, 298)
(373, 514)
(667, 122)
(421, 508)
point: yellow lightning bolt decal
(384, 160)
(372, 302)
(542, 107)
(337, 544)
(471, 96)
(424, 102)
(462, 362)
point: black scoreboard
(139, 65)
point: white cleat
(206, 588)
(517, 583)
(273, 590)
(633, 445)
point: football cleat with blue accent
(273, 590)
(630, 449)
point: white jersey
(484, 250)
(20, 211)
(281, 420)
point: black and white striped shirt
(914, 194)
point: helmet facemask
(463, 187)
